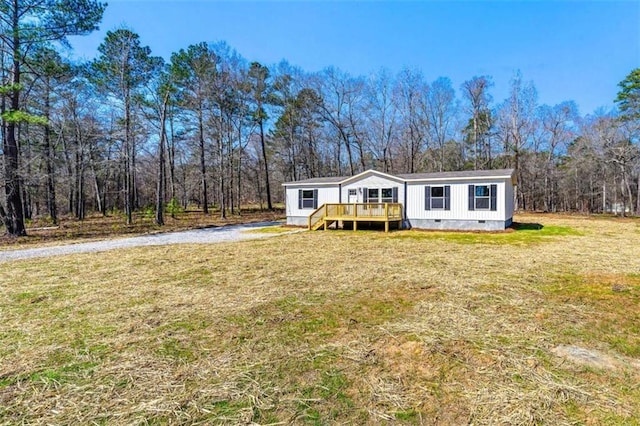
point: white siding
(371, 182)
(325, 195)
(509, 199)
(459, 202)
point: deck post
(355, 225)
(386, 225)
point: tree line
(128, 130)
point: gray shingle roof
(335, 179)
(414, 176)
(460, 174)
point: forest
(209, 129)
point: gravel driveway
(196, 236)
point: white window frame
(384, 199)
(379, 198)
(486, 198)
(440, 198)
(306, 200)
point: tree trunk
(128, 179)
(25, 156)
(638, 198)
(49, 154)
(266, 165)
(160, 193)
(79, 174)
(172, 159)
(239, 172)
(347, 145)
(203, 168)
(14, 215)
(96, 187)
(221, 180)
(135, 199)
(100, 197)
(71, 182)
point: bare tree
(442, 109)
(516, 124)
(411, 96)
(557, 125)
(336, 88)
(477, 99)
(382, 119)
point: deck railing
(356, 211)
(317, 216)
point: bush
(174, 207)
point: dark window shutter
(395, 194)
(427, 198)
(300, 199)
(315, 198)
(365, 195)
(447, 197)
(494, 197)
(472, 190)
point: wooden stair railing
(316, 218)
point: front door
(353, 196)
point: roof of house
(460, 174)
(465, 174)
(335, 179)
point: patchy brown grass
(329, 327)
(95, 227)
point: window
(308, 199)
(437, 197)
(387, 195)
(483, 197)
(381, 195)
(353, 192)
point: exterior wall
(296, 216)
(509, 200)
(459, 216)
(372, 182)
(298, 220)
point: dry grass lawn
(330, 327)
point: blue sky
(572, 50)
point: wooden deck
(330, 213)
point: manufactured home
(466, 200)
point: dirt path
(196, 236)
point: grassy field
(331, 327)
